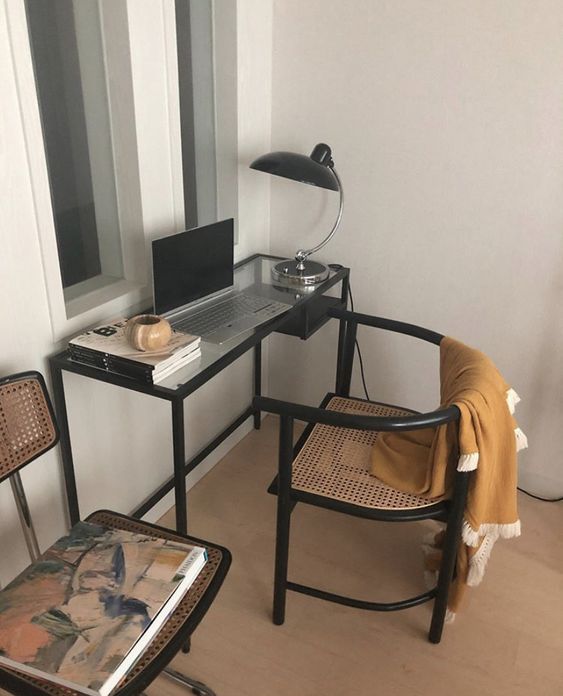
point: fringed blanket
(488, 439)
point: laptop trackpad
(225, 333)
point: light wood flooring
(507, 642)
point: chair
(27, 430)
(329, 468)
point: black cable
(532, 495)
(538, 497)
(358, 349)
(362, 370)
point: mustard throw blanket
(488, 437)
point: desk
(307, 314)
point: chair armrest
(386, 324)
(311, 414)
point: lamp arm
(302, 254)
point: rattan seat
(167, 640)
(335, 462)
(27, 430)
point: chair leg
(449, 553)
(280, 574)
(444, 580)
(283, 519)
(197, 687)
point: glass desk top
(253, 275)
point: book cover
(158, 377)
(129, 369)
(82, 613)
(109, 340)
(126, 368)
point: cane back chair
(27, 430)
(329, 468)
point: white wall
(121, 439)
(23, 301)
(445, 123)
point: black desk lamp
(318, 170)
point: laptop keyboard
(229, 311)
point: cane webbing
(26, 426)
(173, 623)
(335, 462)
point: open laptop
(193, 285)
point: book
(82, 614)
(111, 364)
(163, 374)
(127, 369)
(107, 347)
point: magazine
(129, 368)
(82, 614)
(109, 340)
(163, 374)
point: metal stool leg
(197, 687)
(25, 516)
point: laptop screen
(190, 265)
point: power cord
(532, 495)
(539, 497)
(358, 348)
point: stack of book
(107, 347)
(84, 612)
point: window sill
(92, 293)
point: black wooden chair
(329, 468)
(27, 430)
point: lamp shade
(317, 170)
(292, 165)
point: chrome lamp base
(289, 272)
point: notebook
(193, 285)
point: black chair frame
(449, 511)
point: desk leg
(341, 334)
(257, 380)
(66, 450)
(179, 463)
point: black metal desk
(308, 313)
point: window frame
(151, 191)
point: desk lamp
(318, 170)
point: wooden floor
(508, 641)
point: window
(68, 57)
(100, 111)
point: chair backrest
(27, 430)
(27, 421)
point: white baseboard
(164, 505)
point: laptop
(193, 285)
